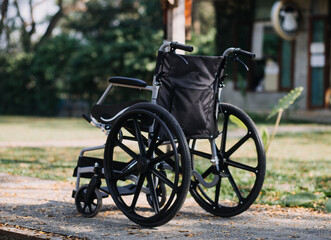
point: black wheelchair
(185, 140)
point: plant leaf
(327, 193)
(286, 101)
(328, 205)
(237, 122)
(265, 136)
(299, 199)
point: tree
(119, 38)
(26, 26)
(96, 39)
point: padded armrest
(128, 81)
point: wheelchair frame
(217, 159)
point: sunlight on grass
(296, 162)
(45, 129)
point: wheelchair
(186, 140)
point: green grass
(298, 162)
(25, 129)
(47, 163)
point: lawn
(32, 129)
(296, 162)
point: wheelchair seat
(108, 113)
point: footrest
(85, 162)
(127, 190)
(104, 192)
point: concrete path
(282, 129)
(47, 207)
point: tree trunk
(52, 24)
(4, 8)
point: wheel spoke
(154, 139)
(137, 192)
(224, 132)
(163, 179)
(139, 137)
(207, 172)
(130, 165)
(234, 186)
(200, 154)
(217, 192)
(127, 150)
(204, 194)
(128, 170)
(237, 145)
(153, 194)
(165, 157)
(90, 208)
(241, 166)
(162, 157)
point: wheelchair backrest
(188, 92)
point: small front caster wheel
(88, 207)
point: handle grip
(239, 51)
(176, 45)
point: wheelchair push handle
(176, 45)
(238, 51)
(173, 46)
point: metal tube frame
(154, 89)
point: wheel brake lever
(184, 60)
(236, 58)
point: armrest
(128, 81)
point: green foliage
(282, 105)
(265, 136)
(328, 205)
(286, 101)
(108, 39)
(24, 88)
(204, 44)
(237, 122)
(299, 199)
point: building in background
(291, 40)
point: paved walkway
(47, 207)
(288, 128)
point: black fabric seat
(102, 113)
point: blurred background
(56, 55)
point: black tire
(241, 169)
(138, 155)
(85, 207)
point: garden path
(44, 209)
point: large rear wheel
(147, 165)
(232, 187)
